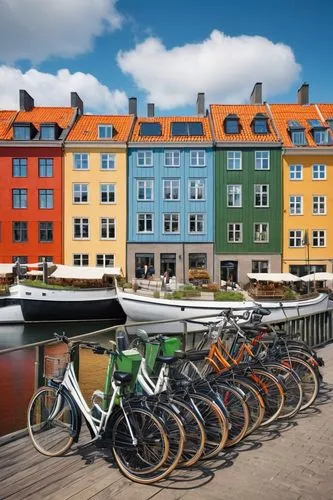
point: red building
(31, 179)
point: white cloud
(224, 67)
(38, 29)
(54, 90)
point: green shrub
(176, 295)
(289, 294)
(125, 284)
(156, 294)
(229, 296)
(41, 284)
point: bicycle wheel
(254, 401)
(292, 388)
(271, 391)
(50, 422)
(308, 378)
(143, 461)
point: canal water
(17, 369)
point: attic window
(186, 128)
(22, 131)
(297, 133)
(260, 124)
(150, 129)
(231, 124)
(330, 123)
(105, 131)
(48, 132)
(319, 132)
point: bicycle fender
(77, 417)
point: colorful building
(248, 191)
(95, 198)
(170, 194)
(31, 194)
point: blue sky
(163, 51)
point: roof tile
(6, 119)
(166, 135)
(86, 128)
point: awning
(318, 277)
(276, 277)
(6, 269)
(84, 273)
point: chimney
(26, 101)
(150, 109)
(201, 104)
(256, 94)
(303, 94)
(132, 106)
(76, 102)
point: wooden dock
(291, 460)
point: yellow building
(307, 162)
(95, 177)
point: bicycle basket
(55, 366)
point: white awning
(276, 277)
(84, 273)
(318, 277)
(6, 269)
(34, 273)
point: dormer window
(48, 132)
(231, 124)
(297, 133)
(260, 124)
(319, 132)
(330, 123)
(22, 131)
(105, 131)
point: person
(166, 277)
(150, 272)
(145, 271)
(139, 272)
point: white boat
(10, 312)
(139, 308)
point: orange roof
(38, 115)
(246, 113)
(282, 113)
(326, 110)
(86, 128)
(6, 118)
(166, 135)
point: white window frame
(111, 221)
(318, 202)
(108, 191)
(197, 158)
(172, 215)
(261, 231)
(80, 258)
(80, 184)
(259, 160)
(145, 154)
(177, 186)
(81, 228)
(105, 126)
(261, 196)
(196, 216)
(110, 160)
(105, 255)
(294, 172)
(174, 154)
(145, 214)
(313, 172)
(296, 237)
(234, 230)
(295, 200)
(323, 135)
(319, 237)
(79, 156)
(197, 186)
(298, 134)
(231, 158)
(146, 186)
(231, 191)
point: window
(234, 195)
(197, 260)
(318, 172)
(80, 193)
(19, 198)
(104, 131)
(22, 132)
(145, 159)
(20, 231)
(19, 167)
(295, 205)
(234, 160)
(108, 228)
(108, 161)
(145, 190)
(105, 260)
(80, 259)
(45, 198)
(262, 160)
(107, 193)
(47, 132)
(231, 124)
(260, 266)
(298, 137)
(145, 223)
(80, 228)
(45, 167)
(81, 161)
(197, 158)
(186, 128)
(170, 223)
(196, 223)
(319, 205)
(295, 172)
(235, 232)
(261, 232)
(22, 259)
(260, 125)
(172, 158)
(319, 238)
(150, 129)
(296, 238)
(320, 136)
(196, 189)
(261, 195)
(46, 258)
(171, 188)
(303, 270)
(45, 231)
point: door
(229, 270)
(143, 261)
(168, 263)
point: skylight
(150, 129)
(186, 128)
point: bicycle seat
(168, 360)
(262, 311)
(122, 377)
